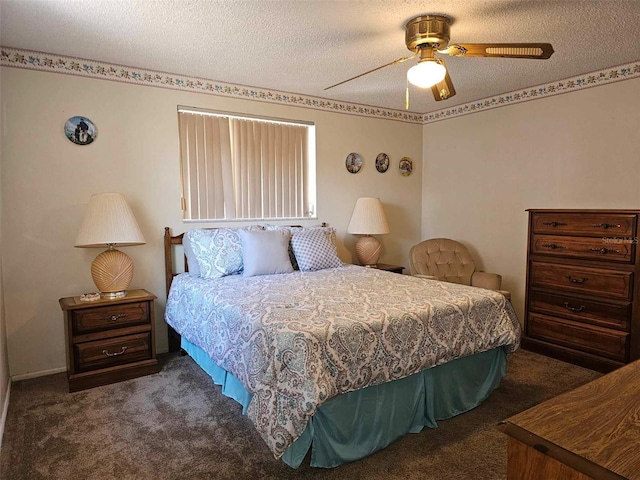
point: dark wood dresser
(583, 298)
(109, 340)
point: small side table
(389, 268)
(109, 340)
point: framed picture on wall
(353, 163)
(382, 162)
(80, 130)
(406, 166)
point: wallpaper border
(32, 60)
(579, 82)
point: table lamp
(368, 219)
(109, 222)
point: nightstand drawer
(112, 351)
(111, 317)
(605, 283)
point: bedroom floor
(177, 424)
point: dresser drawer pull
(122, 350)
(113, 318)
(606, 225)
(604, 251)
(574, 309)
(553, 246)
(554, 224)
(576, 280)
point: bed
(344, 360)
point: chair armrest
(427, 277)
(490, 281)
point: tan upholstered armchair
(450, 261)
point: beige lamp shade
(368, 219)
(109, 222)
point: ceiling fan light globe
(426, 74)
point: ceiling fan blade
(540, 51)
(399, 60)
(444, 89)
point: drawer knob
(113, 318)
(576, 280)
(574, 309)
(115, 354)
(606, 225)
(554, 224)
(553, 246)
(604, 251)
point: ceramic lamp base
(368, 250)
(112, 272)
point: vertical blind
(234, 168)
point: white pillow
(314, 250)
(291, 230)
(265, 252)
(329, 231)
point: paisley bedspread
(297, 340)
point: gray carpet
(177, 424)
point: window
(239, 168)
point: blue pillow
(217, 252)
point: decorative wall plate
(382, 162)
(353, 163)
(406, 166)
(80, 130)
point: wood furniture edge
(65, 302)
(583, 210)
(115, 374)
(545, 447)
(565, 419)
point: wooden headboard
(169, 243)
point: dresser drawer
(589, 224)
(594, 281)
(612, 344)
(112, 351)
(583, 311)
(590, 248)
(111, 317)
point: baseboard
(5, 409)
(41, 373)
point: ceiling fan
(427, 35)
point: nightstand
(389, 268)
(109, 340)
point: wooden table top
(136, 295)
(596, 426)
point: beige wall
(482, 171)
(47, 182)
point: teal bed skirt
(357, 424)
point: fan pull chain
(406, 97)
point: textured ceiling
(304, 46)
